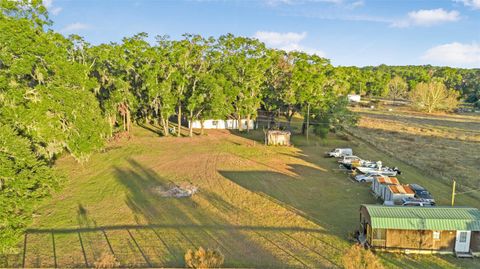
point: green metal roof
(424, 218)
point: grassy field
(261, 206)
(445, 146)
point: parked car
(422, 193)
(368, 177)
(340, 152)
(416, 202)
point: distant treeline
(374, 80)
(62, 95)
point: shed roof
(424, 218)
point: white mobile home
(380, 183)
(222, 124)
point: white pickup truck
(340, 152)
(349, 159)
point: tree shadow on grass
(183, 219)
(313, 197)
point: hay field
(445, 146)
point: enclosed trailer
(395, 193)
(380, 183)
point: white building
(231, 124)
(354, 98)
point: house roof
(401, 189)
(424, 218)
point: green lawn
(261, 206)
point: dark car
(422, 193)
(415, 202)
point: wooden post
(453, 192)
(308, 118)
(24, 250)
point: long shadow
(151, 128)
(184, 218)
(313, 198)
(173, 226)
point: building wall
(420, 239)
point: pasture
(446, 146)
(276, 207)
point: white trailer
(340, 152)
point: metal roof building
(433, 229)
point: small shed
(380, 183)
(396, 193)
(278, 138)
(421, 229)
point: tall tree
(434, 96)
(397, 88)
(244, 63)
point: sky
(348, 32)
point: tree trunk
(269, 120)
(248, 123)
(123, 123)
(190, 127)
(164, 124)
(289, 117)
(308, 119)
(239, 121)
(128, 121)
(201, 130)
(179, 119)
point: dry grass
(445, 146)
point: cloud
(349, 4)
(54, 10)
(48, 3)
(427, 17)
(74, 27)
(454, 54)
(280, 39)
(289, 41)
(294, 2)
(475, 4)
